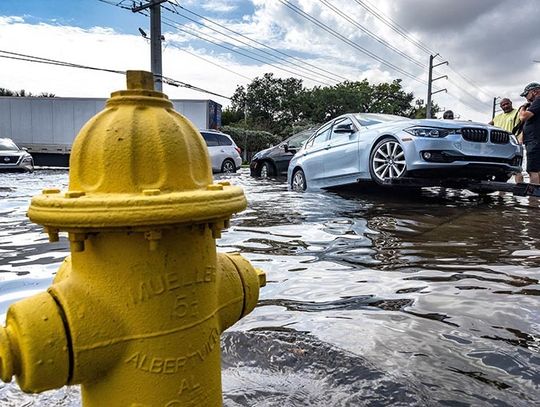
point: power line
(372, 34)
(395, 26)
(176, 25)
(408, 36)
(332, 77)
(31, 58)
(189, 31)
(348, 41)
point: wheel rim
(228, 167)
(298, 182)
(389, 161)
(264, 171)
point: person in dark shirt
(529, 114)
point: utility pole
(155, 39)
(495, 100)
(430, 81)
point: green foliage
(251, 140)
(23, 93)
(280, 106)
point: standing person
(529, 114)
(449, 115)
(509, 121)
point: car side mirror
(24, 149)
(344, 129)
(289, 149)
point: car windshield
(298, 139)
(369, 119)
(7, 145)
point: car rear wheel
(228, 166)
(298, 182)
(387, 161)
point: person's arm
(525, 114)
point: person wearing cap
(529, 114)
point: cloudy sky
(216, 45)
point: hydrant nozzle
(135, 312)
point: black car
(275, 160)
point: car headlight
(433, 132)
(27, 159)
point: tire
(298, 182)
(387, 161)
(266, 170)
(228, 166)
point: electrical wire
(230, 47)
(217, 41)
(31, 58)
(408, 36)
(372, 34)
(349, 42)
(303, 63)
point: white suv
(224, 153)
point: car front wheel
(298, 182)
(228, 166)
(387, 161)
(266, 170)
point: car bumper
(423, 154)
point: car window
(211, 139)
(344, 122)
(321, 136)
(7, 145)
(298, 140)
(224, 140)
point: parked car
(224, 153)
(13, 158)
(378, 147)
(275, 160)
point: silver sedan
(378, 147)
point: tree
(23, 93)
(271, 103)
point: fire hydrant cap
(137, 162)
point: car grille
(9, 159)
(476, 135)
(499, 137)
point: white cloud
(488, 42)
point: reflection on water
(373, 297)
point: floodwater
(381, 298)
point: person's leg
(533, 162)
(518, 177)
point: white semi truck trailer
(46, 127)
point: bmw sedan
(13, 158)
(379, 147)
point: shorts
(533, 156)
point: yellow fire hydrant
(135, 313)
